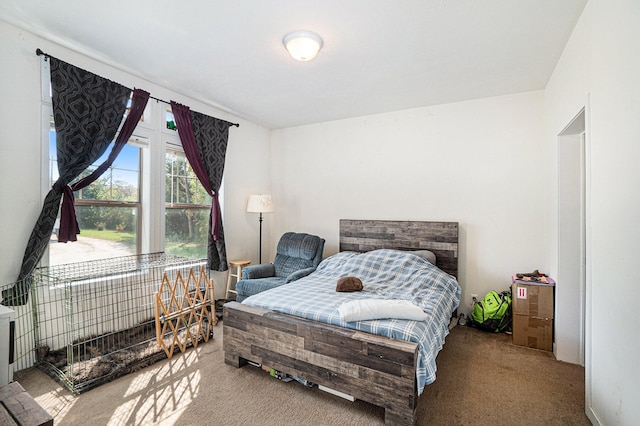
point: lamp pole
(260, 203)
(260, 249)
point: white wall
(246, 168)
(615, 210)
(479, 163)
(601, 68)
(20, 146)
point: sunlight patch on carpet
(57, 403)
(161, 393)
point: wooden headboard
(439, 237)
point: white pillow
(427, 255)
(368, 309)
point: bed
(278, 328)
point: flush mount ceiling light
(302, 45)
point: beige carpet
(482, 380)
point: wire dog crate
(95, 321)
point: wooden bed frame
(372, 368)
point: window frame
(141, 143)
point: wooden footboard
(372, 368)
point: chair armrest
(264, 270)
(299, 274)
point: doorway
(571, 288)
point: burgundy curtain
(204, 140)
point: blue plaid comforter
(386, 274)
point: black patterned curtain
(204, 140)
(88, 110)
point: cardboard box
(533, 332)
(534, 300)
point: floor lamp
(260, 204)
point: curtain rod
(39, 52)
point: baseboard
(592, 416)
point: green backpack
(493, 312)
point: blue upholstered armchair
(297, 256)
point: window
(187, 208)
(108, 210)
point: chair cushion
(246, 288)
(296, 251)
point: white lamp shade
(260, 204)
(302, 45)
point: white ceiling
(378, 55)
